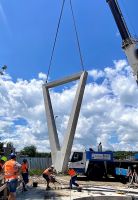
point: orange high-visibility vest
(10, 170)
(24, 167)
(72, 172)
(48, 172)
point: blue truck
(98, 165)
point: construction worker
(100, 147)
(24, 171)
(73, 176)
(47, 174)
(11, 172)
(3, 159)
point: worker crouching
(73, 178)
(24, 171)
(48, 175)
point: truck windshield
(77, 156)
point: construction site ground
(99, 190)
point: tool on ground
(54, 180)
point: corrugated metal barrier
(37, 163)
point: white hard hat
(52, 166)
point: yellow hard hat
(4, 158)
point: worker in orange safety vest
(24, 171)
(73, 178)
(11, 172)
(47, 174)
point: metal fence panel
(37, 162)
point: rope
(77, 37)
(54, 44)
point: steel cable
(54, 44)
(55, 39)
(77, 37)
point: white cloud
(96, 74)
(109, 111)
(42, 76)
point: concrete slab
(105, 198)
(90, 190)
(40, 192)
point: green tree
(1, 147)
(123, 154)
(29, 150)
(9, 144)
(43, 154)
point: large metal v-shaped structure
(60, 155)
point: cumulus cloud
(109, 111)
(96, 74)
(42, 76)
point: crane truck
(100, 164)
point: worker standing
(100, 147)
(11, 172)
(47, 174)
(24, 171)
(73, 176)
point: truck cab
(90, 163)
(78, 161)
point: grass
(35, 172)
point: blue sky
(28, 29)
(26, 38)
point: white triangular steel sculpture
(60, 155)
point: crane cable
(56, 35)
(54, 44)
(77, 37)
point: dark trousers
(73, 181)
(25, 179)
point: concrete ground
(90, 190)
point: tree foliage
(1, 147)
(43, 154)
(121, 155)
(29, 150)
(9, 144)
